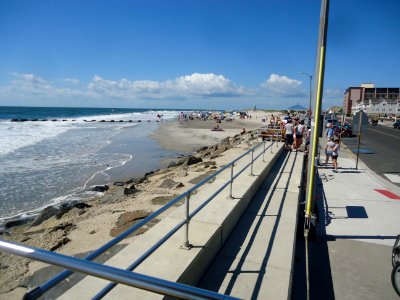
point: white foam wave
(16, 135)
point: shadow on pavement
(320, 274)
(223, 264)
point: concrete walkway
(359, 219)
(256, 261)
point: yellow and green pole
(315, 122)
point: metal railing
(132, 279)
(40, 290)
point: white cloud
(32, 85)
(283, 86)
(185, 86)
(277, 91)
(72, 81)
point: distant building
(372, 100)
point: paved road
(384, 142)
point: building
(372, 100)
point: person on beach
(289, 134)
(329, 151)
(335, 154)
(299, 131)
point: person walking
(289, 134)
(329, 131)
(329, 150)
(335, 154)
(299, 131)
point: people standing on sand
(329, 150)
(289, 134)
(335, 154)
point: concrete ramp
(257, 259)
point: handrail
(132, 279)
(44, 287)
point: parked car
(396, 125)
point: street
(384, 143)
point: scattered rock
(162, 200)
(130, 190)
(209, 163)
(92, 231)
(128, 219)
(100, 188)
(172, 164)
(17, 222)
(63, 241)
(170, 184)
(193, 160)
(118, 183)
(202, 149)
(46, 214)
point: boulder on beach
(46, 214)
(127, 220)
(193, 160)
(100, 188)
(172, 164)
(170, 184)
(130, 190)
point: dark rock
(172, 164)
(46, 214)
(132, 180)
(193, 160)
(64, 208)
(82, 205)
(119, 183)
(149, 173)
(64, 240)
(130, 190)
(181, 161)
(209, 163)
(202, 149)
(18, 222)
(144, 179)
(100, 188)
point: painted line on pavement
(393, 177)
(397, 137)
(388, 194)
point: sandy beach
(86, 227)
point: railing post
(231, 188)
(252, 161)
(264, 151)
(186, 244)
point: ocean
(52, 155)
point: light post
(309, 76)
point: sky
(204, 54)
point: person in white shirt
(289, 134)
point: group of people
(294, 132)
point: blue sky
(191, 54)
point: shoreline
(84, 227)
